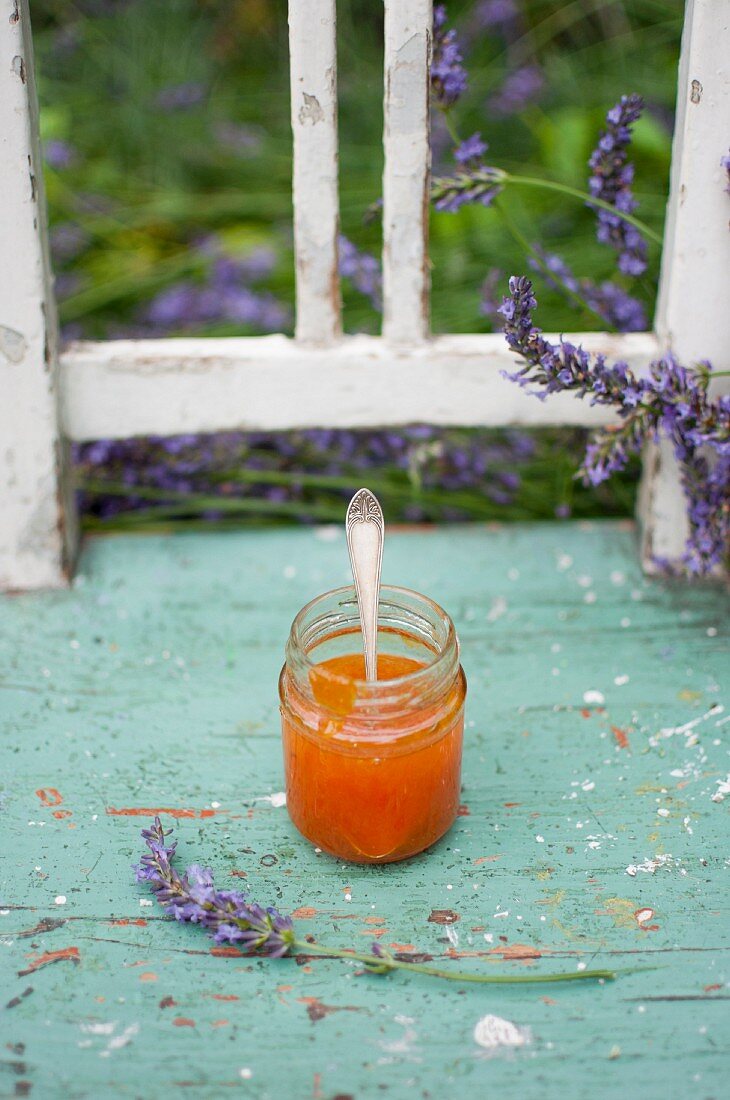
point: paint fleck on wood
(65, 954)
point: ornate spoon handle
(365, 531)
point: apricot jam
(372, 769)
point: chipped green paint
(588, 834)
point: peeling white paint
(723, 789)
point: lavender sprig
(230, 917)
(225, 914)
(448, 75)
(672, 400)
(611, 179)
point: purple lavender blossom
(490, 299)
(227, 915)
(67, 240)
(520, 88)
(672, 400)
(491, 14)
(611, 179)
(609, 301)
(448, 76)
(478, 184)
(59, 154)
(471, 151)
(225, 295)
(238, 137)
(363, 272)
(725, 162)
(181, 97)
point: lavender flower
(725, 162)
(448, 76)
(180, 97)
(227, 915)
(67, 241)
(496, 14)
(611, 179)
(672, 400)
(363, 271)
(471, 151)
(490, 299)
(238, 137)
(520, 88)
(478, 184)
(618, 309)
(59, 154)
(225, 296)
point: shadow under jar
(373, 769)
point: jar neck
(409, 625)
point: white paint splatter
(564, 562)
(585, 581)
(540, 839)
(687, 728)
(619, 681)
(277, 800)
(453, 935)
(403, 1045)
(497, 610)
(643, 915)
(493, 1032)
(649, 866)
(588, 785)
(61, 899)
(246, 1073)
(99, 1029)
(592, 696)
(119, 1041)
(663, 812)
(145, 903)
(723, 788)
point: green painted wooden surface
(153, 684)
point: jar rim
(443, 656)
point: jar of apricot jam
(373, 769)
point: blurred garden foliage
(165, 126)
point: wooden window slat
(313, 68)
(406, 174)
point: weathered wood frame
(125, 388)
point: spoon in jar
(365, 532)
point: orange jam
(373, 770)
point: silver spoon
(365, 531)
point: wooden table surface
(593, 830)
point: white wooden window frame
(124, 388)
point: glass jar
(373, 769)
